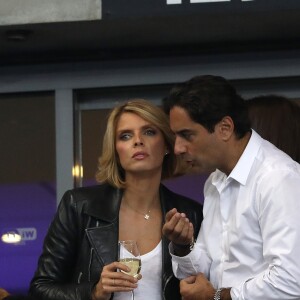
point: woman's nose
(138, 143)
(138, 140)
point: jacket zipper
(90, 264)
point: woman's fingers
(112, 280)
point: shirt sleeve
(195, 262)
(278, 206)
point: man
(249, 243)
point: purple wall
(29, 209)
(189, 185)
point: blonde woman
(80, 255)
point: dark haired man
(249, 243)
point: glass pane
(93, 126)
(27, 183)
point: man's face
(198, 147)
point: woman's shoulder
(183, 204)
(89, 194)
(90, 191)
(101, 201)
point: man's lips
(190, 162)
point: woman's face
(140, 145)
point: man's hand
(196, 288)
(179, 230)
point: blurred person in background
(3, 293)
(277, 119)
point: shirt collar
(242, 169)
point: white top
(149, 287)
(250, 236)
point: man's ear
(225, 128)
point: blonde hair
(109, 168)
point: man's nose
(179, 147)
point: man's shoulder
(270, 157)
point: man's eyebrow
(183, 131)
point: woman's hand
(112, 281)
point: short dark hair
(207, 99)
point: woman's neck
(141, 193)
(141, 199)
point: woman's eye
(150, 132)
(125, 136)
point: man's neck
(236, 150)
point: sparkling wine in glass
(129, 255)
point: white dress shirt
(250, 236)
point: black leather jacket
(83, 237)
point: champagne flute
(129, 255)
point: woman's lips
(140, 155)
